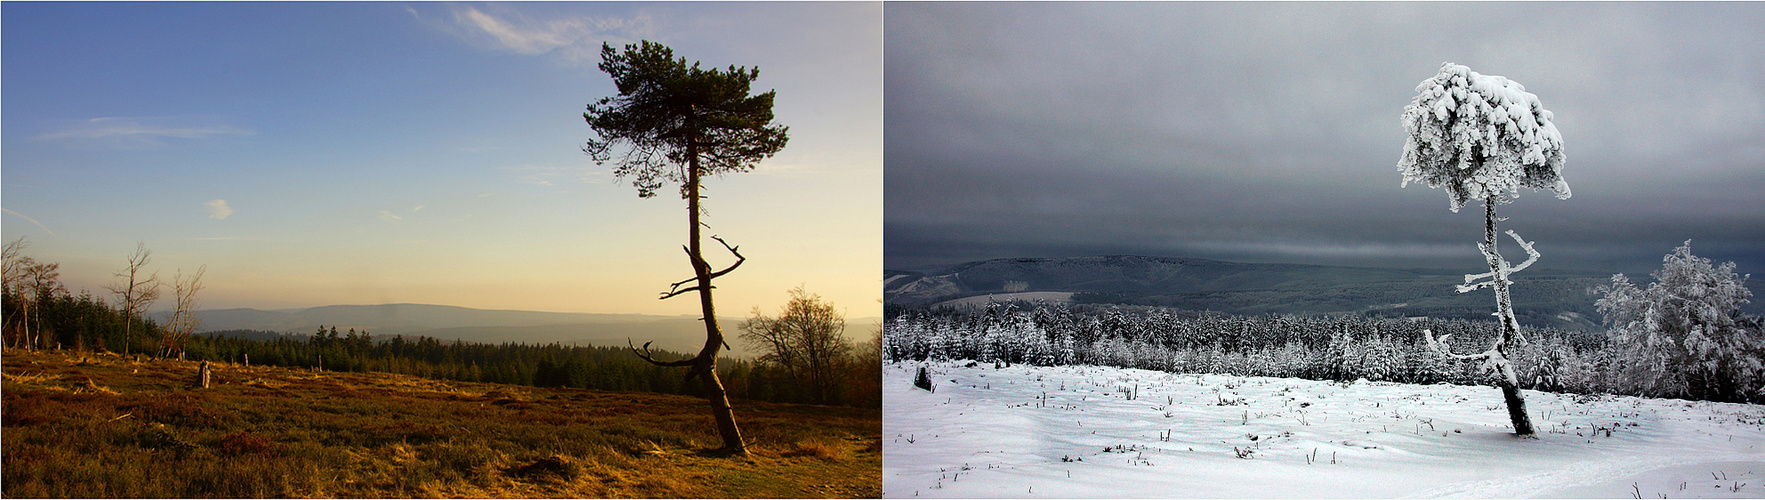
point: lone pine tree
(674, 123)
(1483, 137)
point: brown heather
(97, 425)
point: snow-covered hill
(1245, 288)
(1081, 431)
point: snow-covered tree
(1682, 336)
(1483, 137)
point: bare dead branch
(670, 294)
(645, 354)
(739, 259)
(675, 289)
(676, 285)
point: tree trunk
(1504, 308)
(204, 372)
(707, 362)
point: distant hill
(1541, 299)
(677, 333)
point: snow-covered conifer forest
(1334, 348)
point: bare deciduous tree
(136, 289)
(807, 339)
(184, 322)
(15, 263)
(42, 284)
(32, 285)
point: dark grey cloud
(1270, 132)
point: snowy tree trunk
(1510, 327)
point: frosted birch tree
(1482, 138)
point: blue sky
(360, 153)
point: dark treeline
(1318, 348)
(70, 321)
(542, 365)
(548, 365)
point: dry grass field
(97, 425)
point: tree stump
(204, 372)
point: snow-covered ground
(1083, 431)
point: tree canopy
(1482, 137)
(670, 116)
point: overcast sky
(363, 153)
(1270, 131)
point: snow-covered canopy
(1480, 137)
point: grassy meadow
(96, 425)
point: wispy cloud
(33, 221)
(388, 216)
(144, 130)
(576, 39)
(218, 209)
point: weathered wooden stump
(204, 371)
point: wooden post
(204, 371)
(248, 360)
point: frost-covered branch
(1493, 360)
(1439, 346)
(1504, 267)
